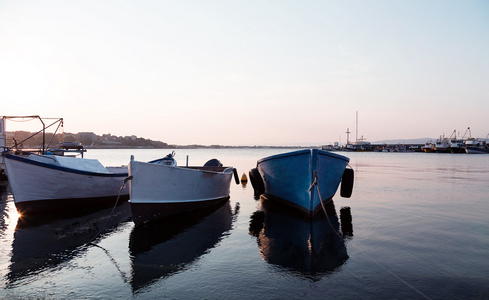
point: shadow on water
(304, 247)
(159, 250)
(43, 242)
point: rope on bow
(315, 183)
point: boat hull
(457, 150)
(289, 178)
(159, 191)
(477, 150)
(40, 187)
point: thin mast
(356, 131)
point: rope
(315, 183)
(397, 277)
(123, 275)
(27, 119)
(113, 208)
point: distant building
(87, 137)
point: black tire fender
(347, 183)
(256, 181)
(236, 177)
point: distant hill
(27, 139)
(90, 140)
(404, 141)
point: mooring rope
(315, 183)
(123, 275)
(113, 208)
(397, 277)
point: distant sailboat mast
(356, 130)
(3, 133)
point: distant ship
(360, 143)
(452, 144)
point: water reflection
(159, 250)
(4, 214)
(311, 248)
(43, 242)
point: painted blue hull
(288, 177)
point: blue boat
(303, 179)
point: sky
(245, 73)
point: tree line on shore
(25, 139)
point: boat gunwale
(287, 154)
(62, 168)
(327, 153)
(301, 152)
(201, 169)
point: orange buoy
(244, 179)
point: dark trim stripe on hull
(37, 207)
(301, 210)
(147, 212)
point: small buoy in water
(244, 179)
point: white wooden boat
(161, 189)
(42, 183)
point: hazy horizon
(352, 139)
(248, 72)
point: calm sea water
(419, 230)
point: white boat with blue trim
(303, 179)
(160, 189)
(48, 183)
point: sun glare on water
(13, 214)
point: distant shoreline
(199, 147)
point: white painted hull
(37, 186)
(158, 191)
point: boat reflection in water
(163, 248)
(44, 242)
(311, 247)
(4, 212)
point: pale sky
(235, 72)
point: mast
(2, 133)
(356, 131)
(465, 134)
